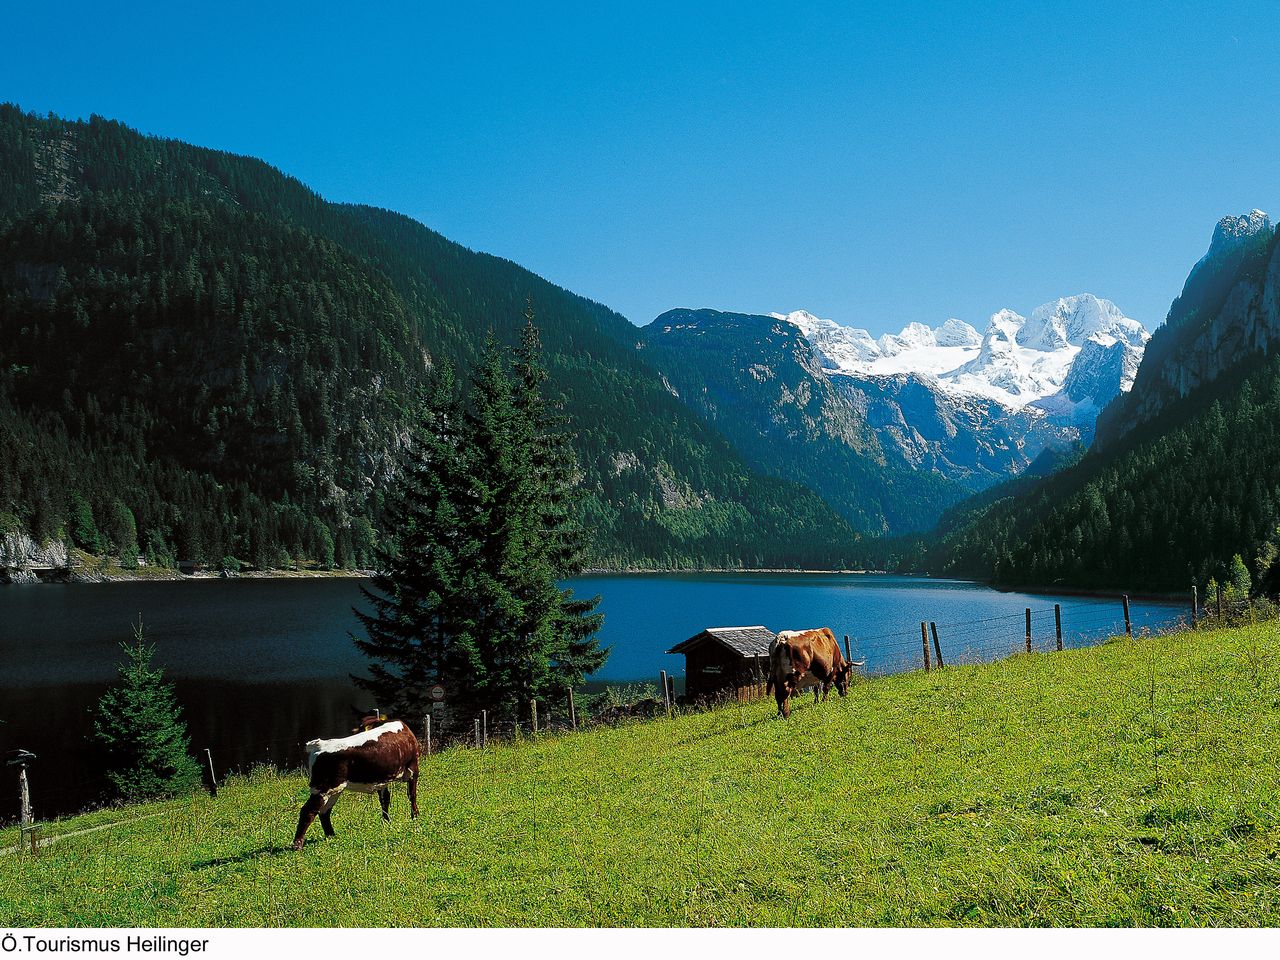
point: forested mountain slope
(201, 357)
(755, 378)
(1186, 475)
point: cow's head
(844, 673)
(366, 719)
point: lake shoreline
(1094, 592)
(262, 663)
(169, 575)
(640, 571)
(80, 574)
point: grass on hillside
(1132, 783)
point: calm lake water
(263, 665)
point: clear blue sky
(876, 164)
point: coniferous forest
(204, 360)
(1172, 507)
(484, 526)
(1183, 486)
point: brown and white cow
(377, 755)
(804, 658)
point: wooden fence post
(937, 650)
(1028, 629)
(27, 823)
(1195, 605)
(533, 712)
(1128, 624)
(24, 798)
(1057, 622)
(1219, 601)
(477, 733)
(428, 732)
(924, 641)
(484, 728)
(213, 780)
(671, 690)
(847, 655)
(662, 682)
(573, 714)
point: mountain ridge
(187, 332)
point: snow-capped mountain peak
(1072, 320)
(912, 337)
(837, 347)
(1018, 361)
(956, 333)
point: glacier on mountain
(1066, 361)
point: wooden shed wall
(713, 671)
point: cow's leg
(326, 820)
(384, 797)
(413, 788)
(314, 805)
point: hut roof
(744, 641)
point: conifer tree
(505, 563)
(140, 725)
(572, 651)
(418, 633)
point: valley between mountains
(204, 362)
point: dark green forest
(1169, 507)
(1182, 486)
(200, 358)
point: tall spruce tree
(420, 628)
(139, 723)
(483, 527)
(539, 639)
(572, 650)
(507, 564)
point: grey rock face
(972, 440)
(1229, 311)
(21, 557)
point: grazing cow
(375, 756)
(804, 658)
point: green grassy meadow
(1134, 783)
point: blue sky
(876, 164)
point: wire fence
(925, 645)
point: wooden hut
(726, 662)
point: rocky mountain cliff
(1228, 314)
(1182, 486)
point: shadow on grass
(271, 849)
(725, 731)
